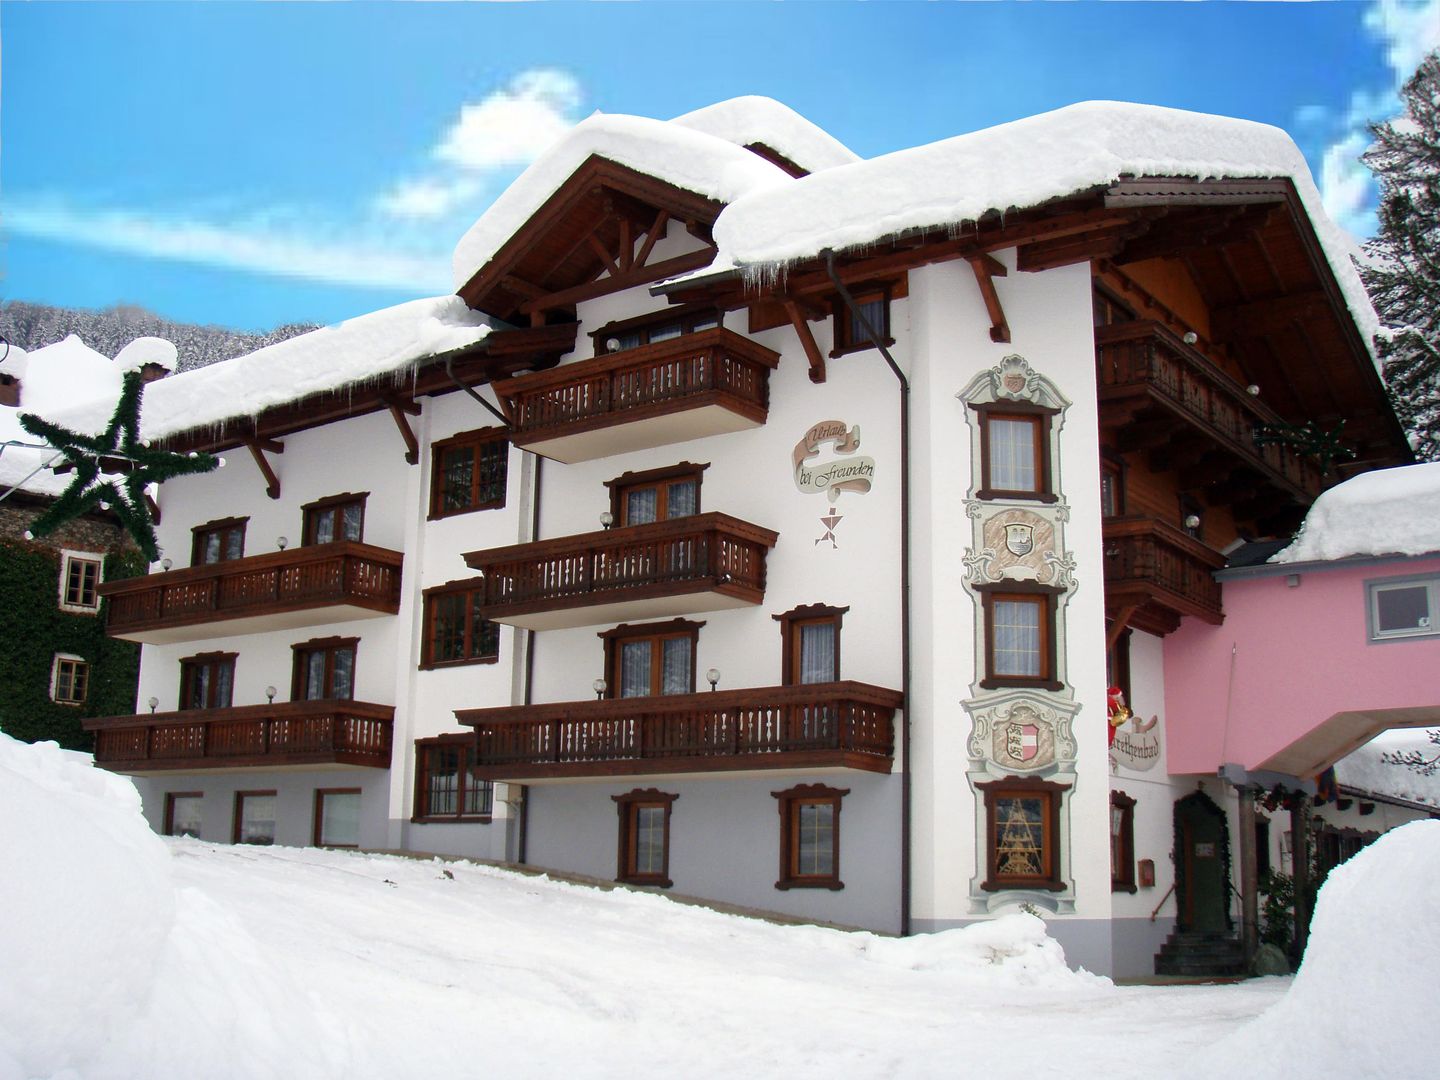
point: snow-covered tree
(1403, 274)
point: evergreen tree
(1403, 274)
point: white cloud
(1409, 29)
(1346, 185)
(512, 126)
(428, 197)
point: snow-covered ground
(124, 955)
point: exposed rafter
(807, 340)
(987, 268)
(399, 409)
(258, 449)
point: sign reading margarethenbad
(836, 476)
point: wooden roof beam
(258, 449)
(652, 234)
(807, 341)
(639, 275)
(987, 268)
(399, 408)
(1260, 318)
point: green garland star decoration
(1310, 438)
(89, 454)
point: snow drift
(1385, 512)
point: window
(850, 333)
(339, 517)
(1122, 842)
(337, 817)
(811, 637)
(446, 788)
(656, 495)
(1015, 451)
(182, 813)
(218, 541)
(468, 472)
(69, 679)
(79, 578)
(1019, 636)
(1109, 311)
(254, 818)
(1022, 826)
(810, 837)
(1112, 487)
(651, 659)
(1403, 607)
(207, 681)
(1262, 845)
(455, 631)
(653, 328)
(644, 855)
(324, 668)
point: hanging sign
(1138, 746)
(838, 475)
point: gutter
(905, 783)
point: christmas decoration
(1116, 709)
(1323, 444)
(116, 450)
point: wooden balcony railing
(714, 369)
(344, 573)
(1160, 572)
(833, 725)
(325, 732)
(1142, 358)
(635, 572)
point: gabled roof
(775, 131)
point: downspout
(874, 335)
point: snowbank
(1364, 769)
(1386, 512)
(752, 119)
(1363, 1003)
(1012, 950)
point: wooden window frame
(1122, 876)
(685, 316)
(1112, 468)
(188, 666)
(312, 512)
(170, 797)
(422, 813)
(473, 440)
(1105, 303)
(1024, 787)
(627, 806)
(1045, 596)
(790, 622)
(78, 666)
(238, 817)
(661, 479)
(626, 633)
(1117, 662)
(318, 825)
(220, 525)
(427, 643)
(840, 321)
(790, 802)
(81, 560)
(1043, 420)
(329, 645)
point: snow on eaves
(688, 159)
(1016, 166)
(1386, 512)
(752, 119)
(1365, 770)
(68, 382)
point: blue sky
(254, 164)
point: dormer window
(654, 328)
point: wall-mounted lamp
(713, 677)
(165, 563)
(282, 542)
(599, 686)
(1190, 337)
(1192, 521)
(270, 694)
(612, 344)
(607, 519)
(1253, 389)
(219, 462)
(153, 702)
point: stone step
(1198, 968)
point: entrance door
(1201, 889)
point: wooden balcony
(707, 562)
(305, 586)
(708, 383)
(1158, 573)
(825, 726)
(286, 734)
(1168, 397)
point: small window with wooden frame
(638, 498)
(1015, 451)
(446, 788)
(1112, 485)
(184, 813)
(650, 659)
(1019, 635)
(218, 541)
(810, 637)
(337, 818)
(336, 517)
(810, 837)
(69, 679)
(455, 631)
(643, 857)
(1122, 842)
(850, 334)
(1110, 310)
(207, 680)
(80, 574)
(324, 669)
(1022, 830)
(654, 327)
(468, 472)
(254, 821)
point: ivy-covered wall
(33, 629)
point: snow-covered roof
(681, 156)
(752, 120)
(147, 350)
(1386, 512)
(1364, 770)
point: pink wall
(1301, 655)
